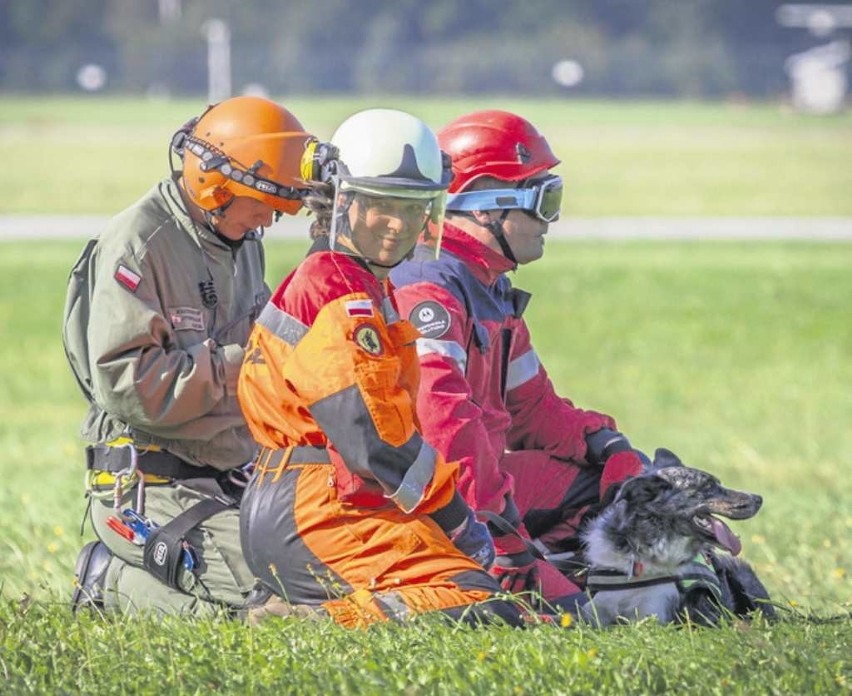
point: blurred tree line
(682, 48)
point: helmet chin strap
(496, 229)
(220, 212)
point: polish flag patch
(127, 278)
(359, 308)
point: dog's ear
(664, 458)
(642, 489)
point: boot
(89, 575)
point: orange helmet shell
(494, 143)
(245, 146)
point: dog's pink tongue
(725, 536)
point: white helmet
(389, 152)
(385, 152)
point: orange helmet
(244, 146)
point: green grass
(96, 155)
(734, 355)
(55, 654)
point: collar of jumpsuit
(487, 265)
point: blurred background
(708, 49)
(658, 108)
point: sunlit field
(735, 356)
(78, 155)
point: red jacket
(483, 389)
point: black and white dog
(653, 550)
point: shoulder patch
(127, 278)
(367, 337)
(430, 318)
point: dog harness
(698, 575)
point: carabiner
(128, 473)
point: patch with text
(186, 319)
(430, 318)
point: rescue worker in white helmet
(350, 512)
(159, 307)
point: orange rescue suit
(360, 530)
(330, 363)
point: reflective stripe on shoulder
(522, 370)
(285, 326)
(413, 486)
(390, 314)
(449, 349)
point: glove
(619, 459)
(517, 573)
(473, 539)
(618, 468)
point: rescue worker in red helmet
(159, 307)
(530, 458)
(350, 512)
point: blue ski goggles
(542, 198)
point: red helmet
(497, 144)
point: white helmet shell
(390, 152)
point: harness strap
(297, 454)
(155, 462)
(162, 555)
(601, 579)
(564, 564)
(274, 461)
(699, 575)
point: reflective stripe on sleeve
(285, 326)
(418, 476)
(449, 349)
(403, 471)
(522, 370)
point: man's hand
(473, 539)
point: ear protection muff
(319, 161)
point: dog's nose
(758, 500)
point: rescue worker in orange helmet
(349, 510)
(159, 307)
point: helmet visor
(542, 198)
(383, 224)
